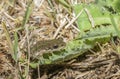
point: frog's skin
(47, 46)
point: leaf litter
(47, 23)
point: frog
(45, 46)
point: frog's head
(61, 42)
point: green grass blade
(27, 13)
(64, 3)
(50, 3)
(15, 55)
(115, 25)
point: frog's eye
(61, 39)
(55, 46)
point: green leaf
(27, 13)
(15, 55)
(99, 32)
(115, 25)
(116, 5)
(34, 64)
(100, 16)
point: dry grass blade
(38, 3)
(90, 17)
(72, 25)
(74, 19)
(28, 48)
(60, 27)
(8, 38)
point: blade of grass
(51, 4)
(27, 13)
(64, 3)
(115, 25)
(15, 55)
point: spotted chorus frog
(47, 46)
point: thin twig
(60, 27)
(38, 71)
(73, 25)
(74, 19)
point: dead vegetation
(49, 21)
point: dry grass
(47, 20)
(31, 22)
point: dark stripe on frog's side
(48, 45)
